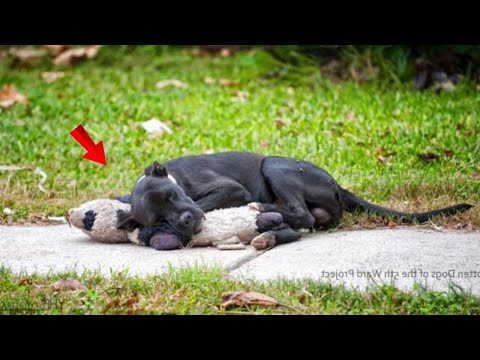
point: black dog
(180, 190)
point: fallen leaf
(155, 127)
(265, 144)
(67, 57)
(382, 159)
(475, 176)
(380, 151)
(448, 153)
(69, 284)
(280, 122)
(50, 77)
(428, 157)
(9, 96)
(25, 281)
(130, 302)
(171, 82)
(302, 295)
(242, 299)
(392, 224)
(56, 49)
(228, 83)
(27, 53)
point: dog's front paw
(263, 241)
(256, 206)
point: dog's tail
(351, 203)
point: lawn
(197, 290)
(400, 148)
(369, 136)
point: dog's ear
(125, 221)
(158, 170)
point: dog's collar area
(170, 177)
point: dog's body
(306, 195)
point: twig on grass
(36, 170)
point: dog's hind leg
(282, 234)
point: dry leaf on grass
(264, 144)
(448, 153)
(228, 82)
(280, 122)
(27, 53)
(68, 285)
(155, 127)
(9, 96)
(50, 77)
(428, 157)
(242, 299)
(69, 56)
(171, 82)
(56, 49)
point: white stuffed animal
(226, 228)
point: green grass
(341, 127)
(199, 291)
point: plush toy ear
(158, 170)
(126, 221)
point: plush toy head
(99, 219)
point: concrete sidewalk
(355, 258)
(59, 248)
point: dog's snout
(186, 219)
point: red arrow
(94, 152)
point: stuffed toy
(225, 228)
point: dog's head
(157, 198)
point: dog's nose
(186, 219)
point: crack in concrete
(239, 263)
